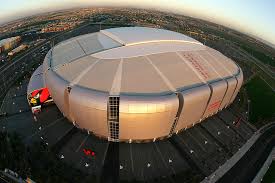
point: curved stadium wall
(139, 84)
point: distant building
(9, 43)
(18, 49)
(58, 27)
(138, 84)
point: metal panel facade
(232, 82)
(239, 77)
(218, 91)
(194, 103)
(57, 86)
(160, 91)
(147, 117)
(88, 109)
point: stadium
(137, 84)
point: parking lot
(206, 146)
(197, 151)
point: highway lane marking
(131, 156)
(201, 134)
(196, 141)
(46, 127)
(104, 155)
(80, 161)
(256, 61)
(3, 102)
(4, 179)
(83, 141)
(267, 83)
(163, 161)
(222, 129)
(150, 162)
(59, 138)
(38, 47)
(7, 96)
(183, 142)
(23, 56)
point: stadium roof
(138, 60)
(145, 35)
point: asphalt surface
(199, 150)
(248, 166)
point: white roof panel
(138, 60)
(139, 35)
(66, 52)
(147, 49)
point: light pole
(248, 103)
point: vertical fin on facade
(211, 93)
(234, 89)
(181, 103)
(224, 93)
(211, 66)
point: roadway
(257, 62)
(248, 166)
(10, 72)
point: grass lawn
(270, 174)
(262, 100)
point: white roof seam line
(219, 63)
(79, 77)
(116, 85)
(162, 40)
(81, 47)
(163, 77)
(112, 36)
(209, 65)
(191, 67)
(95, 55)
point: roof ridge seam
(79, 77)
(231, 74)
(104, 51)
(162, 40)
(80, 46)
(163, 77)
(191, 67)
(211, 66)
(112, 36)
(116, 85)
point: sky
(255, 17)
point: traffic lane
(247, 167)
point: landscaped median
(262, 101)
(270, 174)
